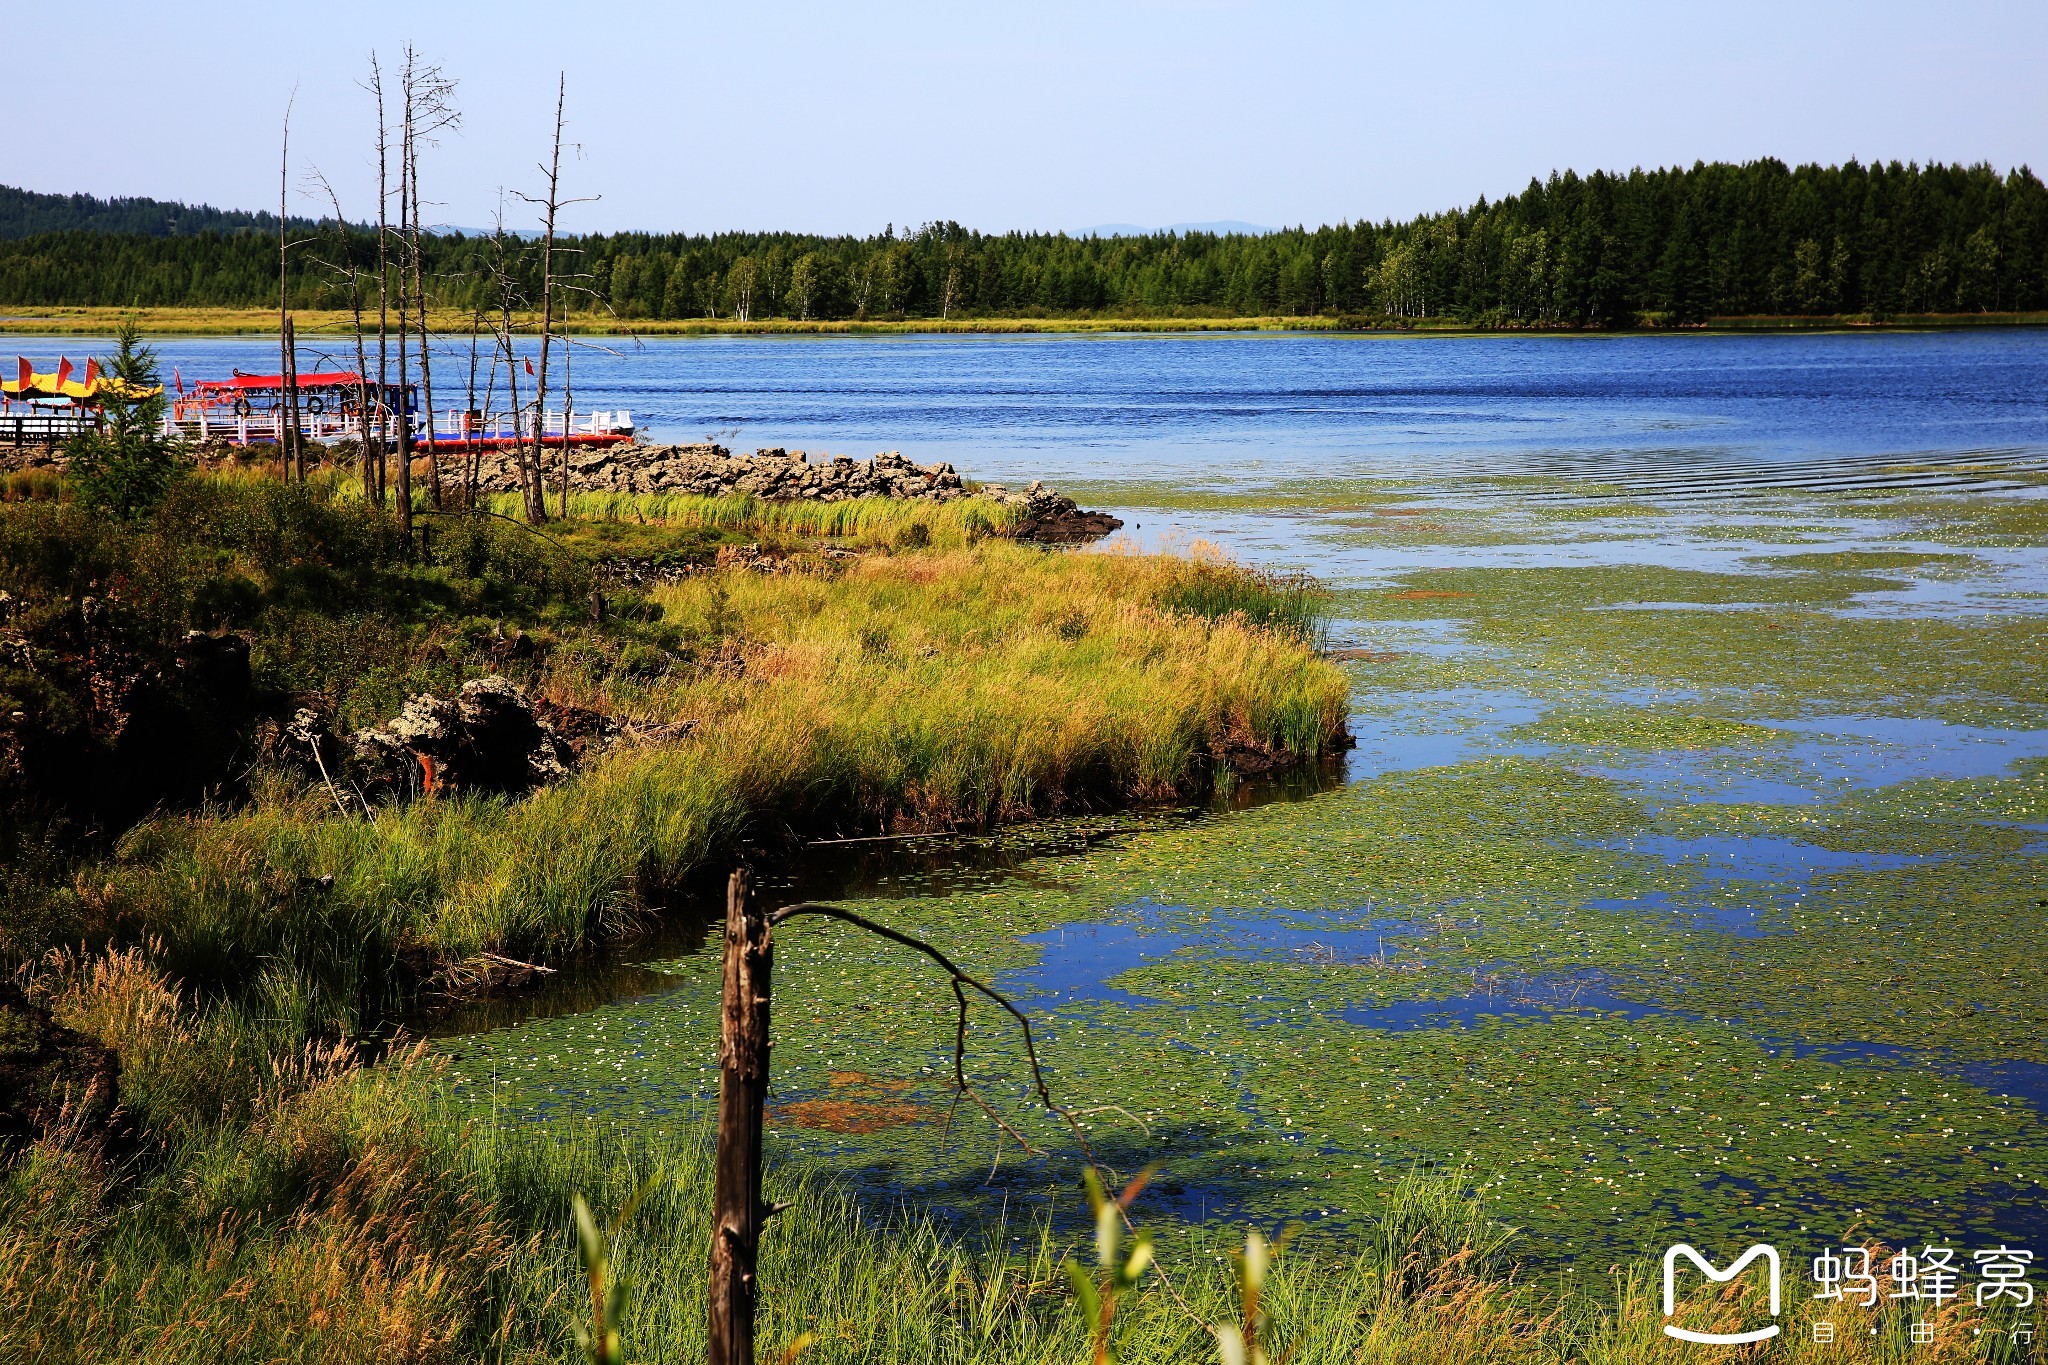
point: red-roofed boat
(251, 407)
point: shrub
(125, 468)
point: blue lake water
(1213, 410)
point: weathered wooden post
(742, 1096)
(739, 1210)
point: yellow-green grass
(36, 320)
(912, 692)
(865, 521)
(200, 321)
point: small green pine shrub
(125, 468)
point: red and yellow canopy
(93, 387)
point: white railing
(454, 427)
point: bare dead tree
(567, 288)
(404, 490)
(568, 403)
(552, 206)
(419, 291)
(289, 447)
(739, 1212)
(424, 94)
(344, 264)
(503, 277)
(376, 87)
(430, 107)
(472, 448)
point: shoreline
(197, 322)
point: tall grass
(1216, 588)
(30, 485)
(1427, 1278)
(867, 521)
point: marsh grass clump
(349, 1218)
(869, 522)
(331, 1224)
(1294, 603)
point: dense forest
(1668, 246)
(25, 213)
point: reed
(881, 522)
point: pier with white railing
(455, 427)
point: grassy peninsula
(237, 933)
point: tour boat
(252, 407)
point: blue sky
(844, 117)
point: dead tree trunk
(568, 406)
(289, 432)
(289, 449)
(472, 411)
(547, 316)
(345, 255)
(739, 1211)
(419, 288)
(383, 289)
(404, 488)
(742, 1098)
(425, 95)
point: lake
(1218, 408)
(1687, 879)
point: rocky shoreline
(778, 475)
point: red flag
(63, 371)
(92, 370)
(26, 372)
(179, 380)
(529, 366)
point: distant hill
(25, 213)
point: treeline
(25, 213)
(1601, 250)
